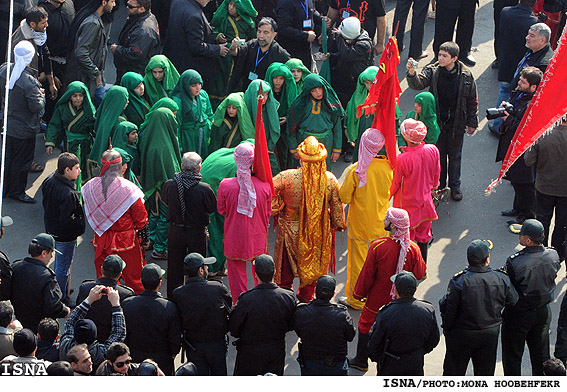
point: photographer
(521, 176)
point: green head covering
(138, 107)
(289, 91)
(107, 117)
(245, 124)
(167, 103)
(127, 159)
(154, 89)
(245, 10)
(120, 134)
(181, 94)
(298, 64)
(428, 115)
(270, 111)
(74, 88)
(159, 150)
(358, 98)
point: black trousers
(561, 342)
(417, 24)
(450, 145)
(498, 7)
(59, 71)
(209, 357)
(260, 358)
(405, 366)
(519, 328)
(19, 156)
(180, 242)
(445, 21)
(524, 200)
(545, 205)
(465, 344)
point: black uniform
(100, 312)
(471, 313)
(204, 307)
(532, 271)
(561, 343)
(260, 320)
(35, 293)
(324, 329)
(154, 329)
(405, 330)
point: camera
(493, 113)
(104, 291)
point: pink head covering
(244, 158)
(413, 131)
(400, 219)
(371, 142)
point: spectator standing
(47, 344)
(8, 325)
(419, 14)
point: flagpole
(6, 96)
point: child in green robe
(72, 123)
(231, 123)
(195, 115)
(299, 72)
(125, 136)
(160, 78)
(138, 106)
(426, 112)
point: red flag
(262, 167)
(545, 111)
(383, 97)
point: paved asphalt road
(477, 216)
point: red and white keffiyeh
(400, 219)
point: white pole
(6, 95)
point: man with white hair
(26, 106)
(246, 204)
(387, 256)
(189, 202)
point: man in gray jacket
(25, 107)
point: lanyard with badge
(521, 66)
(307, 21)
(253, 75)
(346, 13)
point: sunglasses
(121, 364)
(132, 6)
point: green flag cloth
(325, 71)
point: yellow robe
(285, 208)
(365, 220)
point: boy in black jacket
(63, 215)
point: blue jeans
(503, 95)
(99, 95)
(319, 368)
(63, 261)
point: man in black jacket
(532, 271)
(63, 216)
(204, 306)
(138, 41)
(260, 319)
(405, 330)
(189, 202)
(35, 292)
(325, 330)
(159, 336)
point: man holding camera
(520, 175)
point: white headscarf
(244, 158)
(24, 52)
(400, 219)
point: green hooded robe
(156, 90)
(138, 107)
(127, 159)
(428, 116)
(167, 103)
(229, 132)
(120, 140)
(298, 64)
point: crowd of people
(168, 160)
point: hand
(328, 22)
(296, 155)
(95, 294)
(113, 297)
(223, 48)
(49, 150)
(471, 130)
(42, 77)
(58, 83)
(409, 66)
(113, 48)
(379, 49)
(311, 36)
(98, 81)
(283, 120)
(335, 156)
(52, 92)
(221, 39)
(352, 143)
(15, 324)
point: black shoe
(456, 194)
(24, 198)
(494, 64)
(511, 212)
(348, 157)
(518, 221)
(468, 61)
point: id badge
(346, 14)
(252, 76)
(307, 24)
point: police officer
(260, 319)
(324, 329)
(471, 313)
(532, 271)
(405, 330)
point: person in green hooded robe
(195, 116)
(317, 112)
(426, 112)
(299, 72)
(127, 166)
(269, 116)
(138, 107)
(73, 123)
(160, 79)
(218, 166)
(110, 113)
(160, 159)
(231, 123)
(284, 88)
(233, 18)
(125, 137)
(167, 103)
